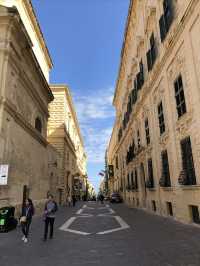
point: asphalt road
(106, 235)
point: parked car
(7, 219)
(116, 198)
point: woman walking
(49, 216)
(26, 218)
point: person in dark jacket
(73, 200)
(49, 216)
(26, 218)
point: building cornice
(29, 7)
(123, 50)
(13, 17)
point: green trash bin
(7, 219)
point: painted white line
(80, 211)
(122, 223)
(84, 206)
(77, 232)
(68, 223)
(86, 215)
(65, 227)
(111, 211)
(108, 206)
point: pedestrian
(50, 209)
(69, 201)
(74, 200)
(26, 218)
(101, 198)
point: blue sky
(84, 38)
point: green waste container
(7, 219)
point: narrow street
(107, 234)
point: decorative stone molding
(183, 125)
(164, 139)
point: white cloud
(97, 105)
(96, 143)
(96, 113)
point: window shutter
(162, 28)
(168, 13)
(187, 161)
(138, 81)
(149, 62)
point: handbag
(23, 219)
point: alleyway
(108, 235)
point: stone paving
(149, 240)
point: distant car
(116, 198)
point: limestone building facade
(155, 143)
(24, 98)
(64, 134)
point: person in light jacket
(26, 218)
(49, 216)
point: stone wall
(177, 54)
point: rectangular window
(136, 179)
(132, 181)
(168, 13)
(138, 202)
(187, 161)
(169, 208)
(146, 123)
(128, 182)
(151, 54)
(195, 214)
(161, 118)
(163, 31)
(153, 49)
(154, 205)
(165, 169)
(116, 162)
(140, 76)
(150, 173)
(138, 138)
(166, 19)
(180, 96)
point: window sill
(190, 187)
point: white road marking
(80, 211)
(65, 227)
(69, 222)
(111, 211)
(123, 226)
(77, 232)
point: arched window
(38, 124)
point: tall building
(64, 134)
(155, 144)
(24, 98)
